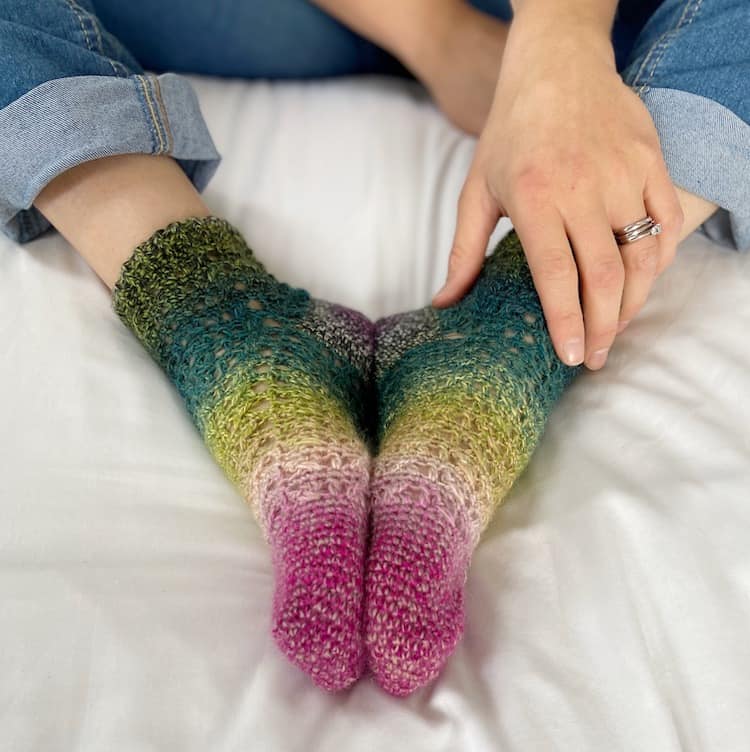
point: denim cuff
(705, 147)
(67, 121)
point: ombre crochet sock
(277, 384)
(464, 394)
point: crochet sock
(277, 384)
(464, 394)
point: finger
(602, 273)
(553, 269)
(662, 203)
(640, 260)
(478, 214)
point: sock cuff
(175, 262)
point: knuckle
(674, 220)
(646, 148)
(457, 257)
(619, 173)
(531, 180)
(557, 266)
(581, 171)
(565, 321)
(621, 169)
(644, 258)
(607, 273)
(604, 336)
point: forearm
(410, 30)
(594, 14)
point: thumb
(477, 218)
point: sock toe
(416, 571)
(318, 540)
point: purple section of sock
(318, 543)
(415, 576)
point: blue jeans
(93, 78)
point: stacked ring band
(637, 230)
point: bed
(608, 604)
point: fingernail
(573, 350)
(598, 358)
(622, 325)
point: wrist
(594, 17)
(544, 26)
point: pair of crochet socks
(295, 396)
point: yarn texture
(464, 394)
(293, 396)
(278, 385)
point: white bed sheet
(608, 603)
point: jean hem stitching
(164, 115)
(159, 145)
(191, 142)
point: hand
(461, 70)
(568, 153)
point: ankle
(106, 207)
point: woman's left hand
(569, 152)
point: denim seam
(164, 115)
(81, 14)
(159, 113)
(100, 115)
(660, 46)
(78, 16)
(156, 125)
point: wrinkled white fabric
(608, 602)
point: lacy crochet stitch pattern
(466, 390)
(463, 395)
(278, 384)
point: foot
(464, 394)
(277, 384)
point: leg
(244, 38)
(464, 394)
(74, 95)
(106, 207)
(691, 66)
(251, 38)
(276, 382)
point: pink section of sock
(415, 576)
(318, 537)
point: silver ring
(643, 228)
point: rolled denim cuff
(67, 121)
(705, 146)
